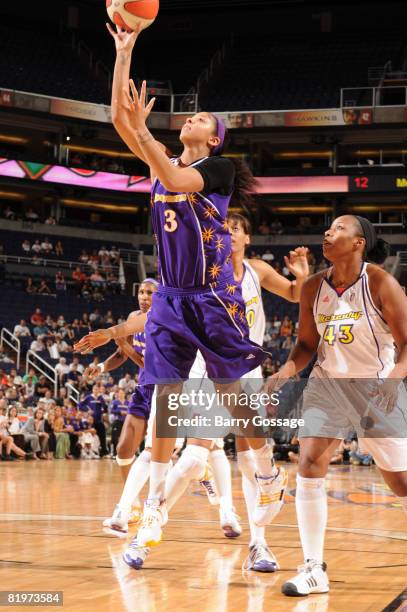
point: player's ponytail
(376, 249)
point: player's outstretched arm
(124, 43)
(276, 283)
(134, 324)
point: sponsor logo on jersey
(355, 315)
(254, 300)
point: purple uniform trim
(140, 403)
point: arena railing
(73, 393)
(38, 363)
(52, 263)
(7, 337)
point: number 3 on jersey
(170, 220)
(344, 336)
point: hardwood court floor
(51, 539)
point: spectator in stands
(95, 404)
(127, 383)
(37, 318)
(264, 229)
(288, 342)
(114, 255)
(4, 358)
(43, 385)
(31, 215)
(43, 288)
(49, 429)
(37, 345)
(118, 409)
(9, 214)
(88, 440)
(287, 326)
(46, 246)
(113, 282)
(59, 249)
(60, 284)
(62, 346)
(41, 330)
(62, 431)
(8, 445)
(276, 228)
(73, 376)
(311, 262)
(50, 221)
(26, 247)
(75, 362)
(30, 287)
(52, 348)
(21, 330)
(275, 325)
(29, 387)
(84, 257)
(96, 279)
(15, 378)
(103, 252)
(86, 291)
(36, 247)
(95, 318)
(30, 375)
(268, 256)
(14, 427)
(31, 434)
(109, 319)
(79, 277)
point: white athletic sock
(312, 512)
(247, 467)
(403, 502)
(190, 466)
(223, 477)
(136, 479)
(263, 458)
(158, 474)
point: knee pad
(193, 462)
(246, 464)
(123, 462)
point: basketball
(128, 14)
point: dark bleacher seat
(297, 72)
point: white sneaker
(94, 456)
(85, 455)
(208, 483)
(261, 559)
(135, 555)
(229, 521)
(270, 497)
(118, 522)
(311, 578)
(155, 516)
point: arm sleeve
(218, 174)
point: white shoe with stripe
(311, 578)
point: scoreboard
(378, 183)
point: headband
(220, 133)
(368, 232)
(150, 280)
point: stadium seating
(288, 73)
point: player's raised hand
(123, 40)
(297, 262)
(275, 382)
(92, 372)
(93, 340)
(139, 110)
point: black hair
(244, 222)
(377, 249)
(245, 182)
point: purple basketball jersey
(139, 345)
(193, 240)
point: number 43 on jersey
(343, 334)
